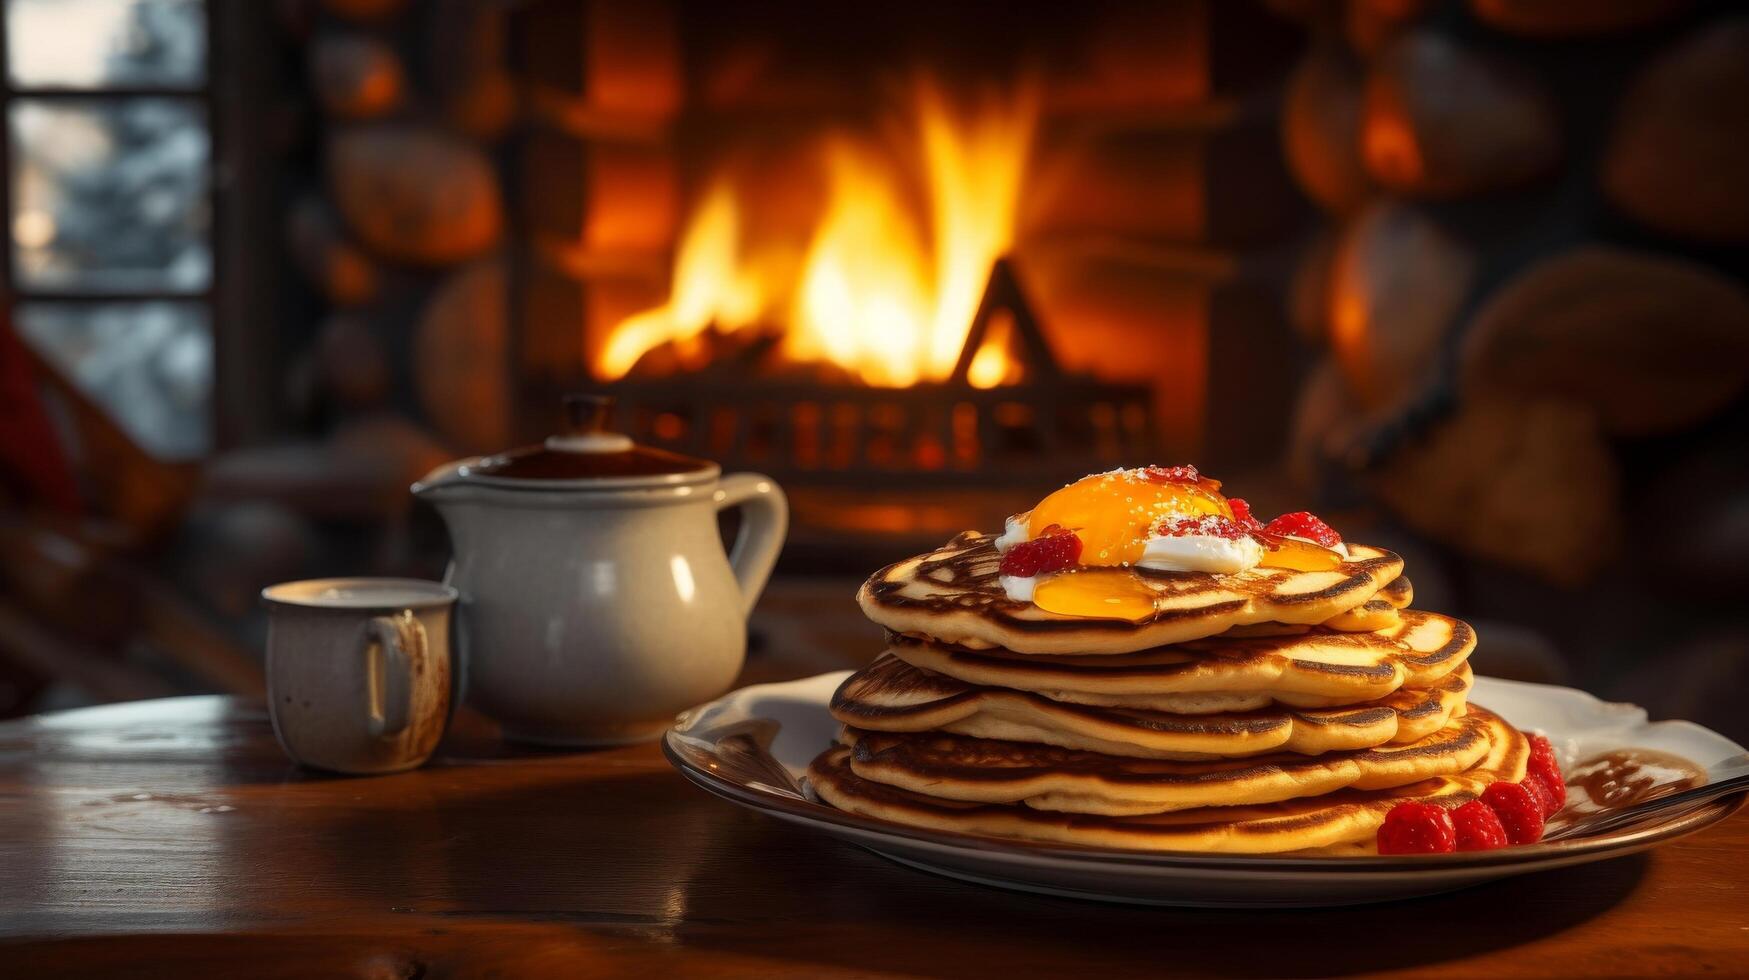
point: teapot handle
(764, 522)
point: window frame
(219, 303)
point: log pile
(398, 237)
(1521, 339)
(1677, 159)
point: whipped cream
(1200, 553)
(1018, 587)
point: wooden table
(172, 838)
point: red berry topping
(1518, 811)
(1242, 514)
(1171, 474)
(1213, 524)
(1417, 828)
(1554, 787)
(1301, 524)
(1542, 754)
(1478, 828)
(1539, 791)
(1048, 553)
(1546, 771)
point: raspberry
(1417, 828)
(1042, 554)
(1554, 787)
(1547, 772)
(1212, 524)
(1242, 514)
(1478, 828)
(1518, 811)
(1539, 791)
(1302, 524)
(1542, 754)
(1171, 474)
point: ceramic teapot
(596, 600)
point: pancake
(891, 695)
(1316, 669)
(1377, 613)
(952, 594)
(1045, 777)
(1373, 614)
(1399, 592)
(1343, 817)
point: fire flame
(883, 292)
(709, 288)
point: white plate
(752, 747)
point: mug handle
(392, 693)
(764, 522)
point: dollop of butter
(1200, 553)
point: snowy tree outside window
(110, 250)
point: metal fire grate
(1049, 426)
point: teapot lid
(587, 453)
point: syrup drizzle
(1621, 779)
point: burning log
(715, 351)
(814, 426)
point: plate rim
(1510, 859)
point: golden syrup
(1096, 593)
(1301, 556)
(1114, 513)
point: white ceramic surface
(592, 611)
(358, 671)
(753, 746)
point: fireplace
(955, 255)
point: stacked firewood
(1529, 289)
(399, 235)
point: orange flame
(883, 292)
(709, 288)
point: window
(109, 264)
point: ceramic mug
(358, 671)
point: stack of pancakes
(1267, 711)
